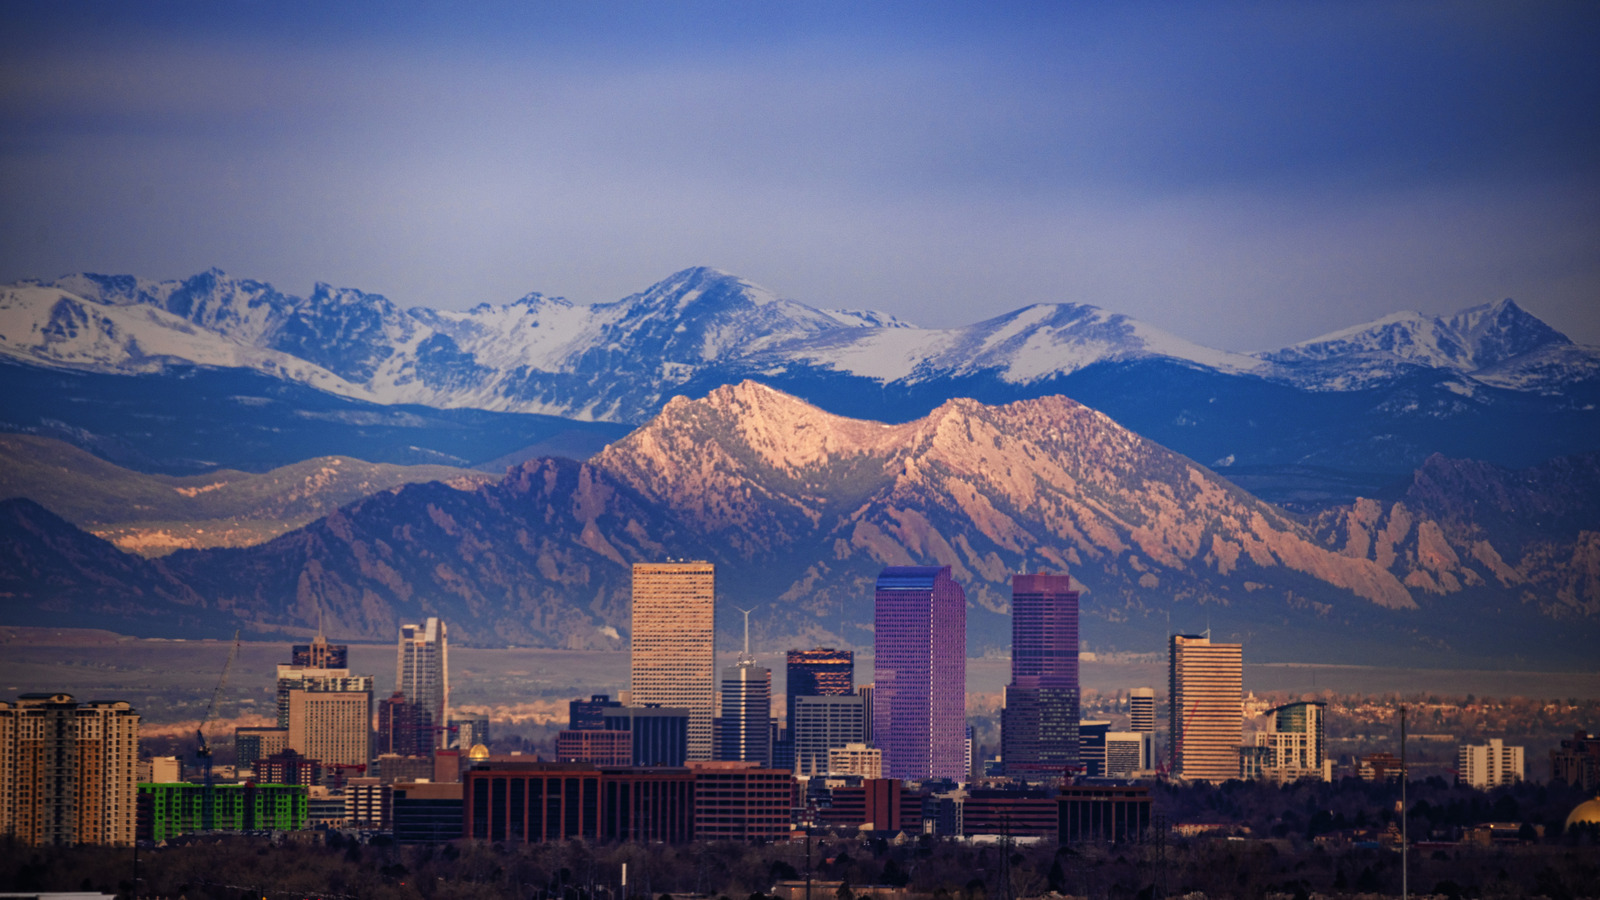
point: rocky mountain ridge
(800, 508)
(544, 354)
(153, 515)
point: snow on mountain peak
(1472, 339)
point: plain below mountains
(800, 508)
(153, 515)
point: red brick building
(740, 801)
(886, 803)
(602, 748)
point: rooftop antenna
(746, 658)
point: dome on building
(1585, 813)
(478, 752)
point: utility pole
(1405, 840)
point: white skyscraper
(422, 670)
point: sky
(1243, 175)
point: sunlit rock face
(800, 509)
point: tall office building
(820, 672)
(68, 770)
(674, 643)
(1039, 727)
(746, 713)
(422, 670)
(293, 678)
(1206, 712)
(332, 724)
(920, 673)
(1142, 710)
(822, 724)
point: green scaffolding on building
(168, 810)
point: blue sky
(1245, 175)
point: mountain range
(1491, 382)
(800, 508)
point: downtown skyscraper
(422, 672)
(1205, 707)
(674, 643)
(920, 673)
(1039, 726)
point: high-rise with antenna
(746, 708)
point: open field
(172, 681)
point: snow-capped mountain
(1496, 343)
(1379, 397)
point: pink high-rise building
(920, 673)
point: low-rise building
(168, 810)
(1103, 813)
(1577, 761)
(741, 801)
(856, 759)
(426, 812)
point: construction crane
(208, 804)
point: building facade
(589, 715)
(601, 748)
(1206, 712)
(741, 801)
(660, 734)
(819, 672)
(823, 724)
(746, 732)
(67, 770)
(404, 728)
(1489, 765)
(1142, 710)
(920, 673)
(253, 743)
(1296, 743)
(876, 804)
(1577, 761)
(1039, 725)
(332, 727)
(857, 760)
(1103, 813)
(1128, 753)
(422, 670)
(168, 810)
(426, 812)
(536, 802)
(674, 643)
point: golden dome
(1585, 813)
(478, 752)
